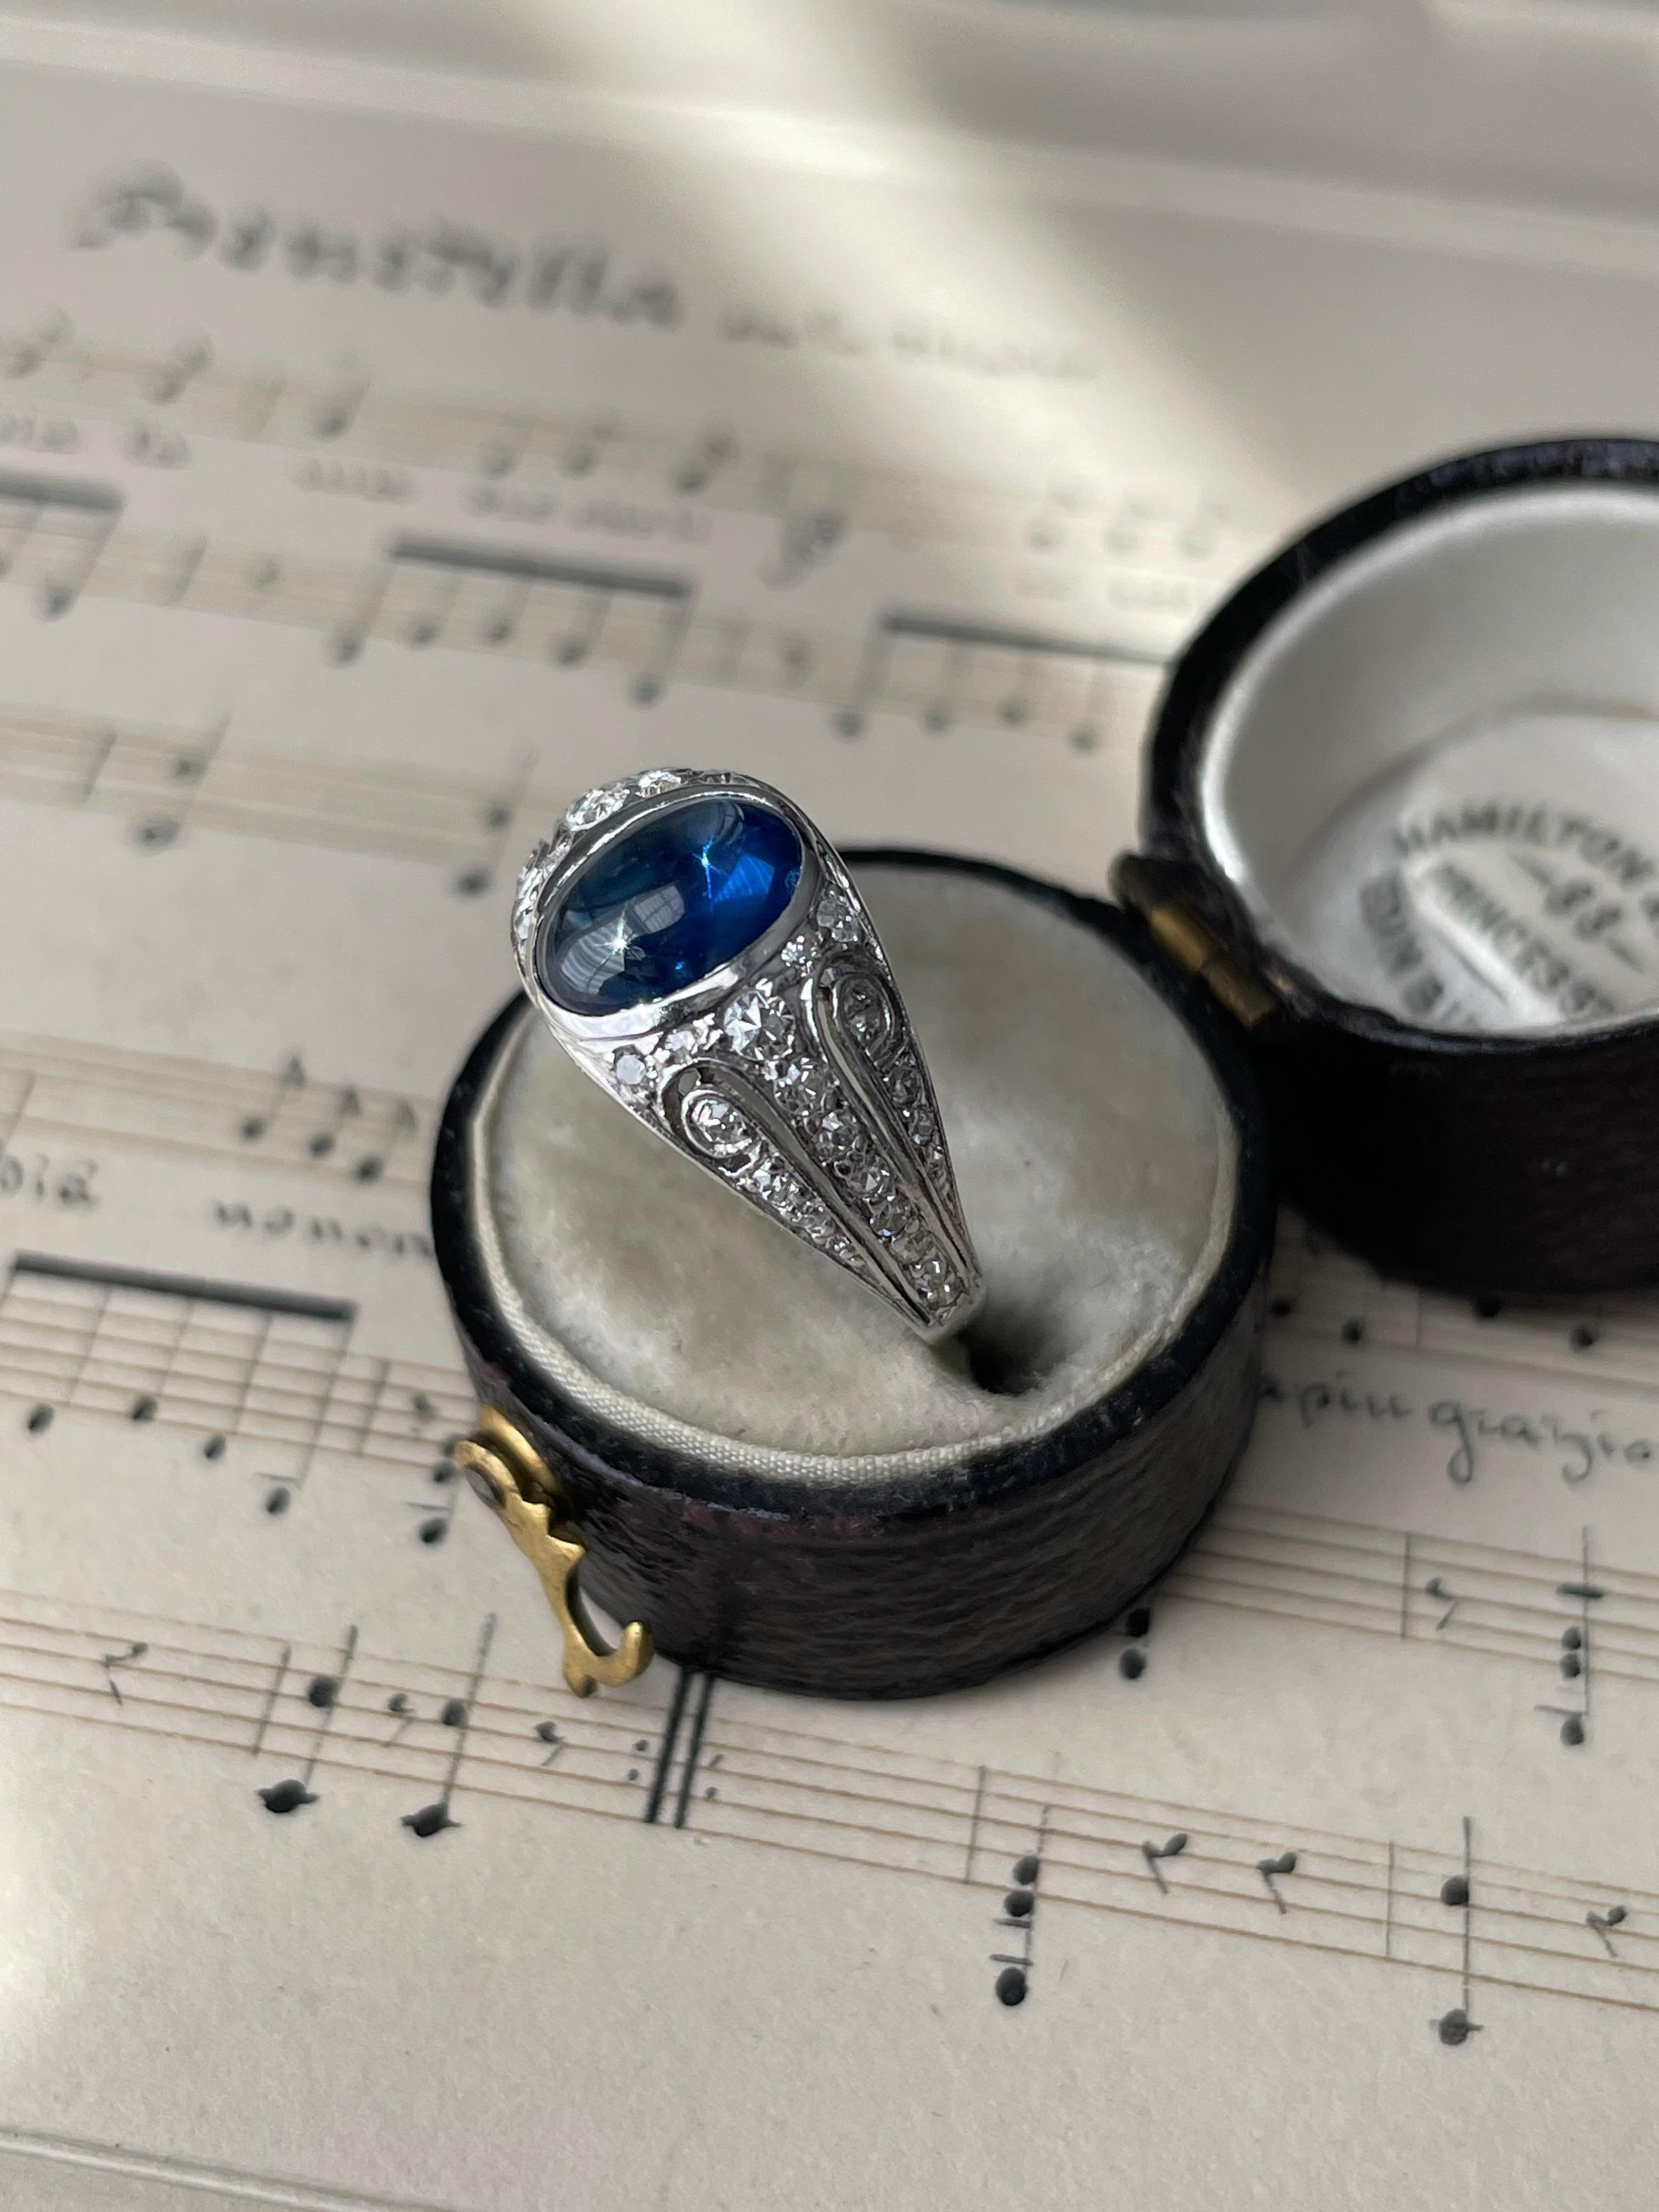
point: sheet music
(367, 487)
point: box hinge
(1143, 886)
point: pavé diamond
(905, 1083)
(802, 949)
(840, 1134)
(870, 1184)
(835, 916)
(759, 1024)
(597, 806)
(889, 1217)
(804, 1085)
(657, 779)
(628, 1069)
(862, 1005)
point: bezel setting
(790, 1072)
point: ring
(698, 948)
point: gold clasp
(520, 1489)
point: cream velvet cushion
(1096, 1160)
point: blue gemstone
(679, 898)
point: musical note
(710, 453)
(941, 708)
(501, 453)
(322, 1694)
(112, 1660)
(22, 355)
(1019, 1913)
(806, 541)
(1137, 1627)
(348, 1107)
(332, 414)
(583, 448)
(1614, 1917)
(435, 1527)
(1271, 1868)
(1573, 1664)
(290, 1076)
(401, 1707)
(1153, 1853)
(433, 1820)
(402, 1124)
(855, 711)
(347, 640)
(1015, 705)
(1454, 2027)
(173, 374)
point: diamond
(912, 1243)
(890, 1216)
(758, 1024)
(921, 1123)
(932, 1278)
(715, 1126)
(836, 916)
(905, 1083)
(862, 1005)
(688, 1039)
(596, 805)
(802, 949)
(840, 1134)
(804, 1085)
(657, 779)
(532, 879)
(870, 1184)
(773, 1184)
(628, 1069)
(816, 1224)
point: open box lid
(1402, 810)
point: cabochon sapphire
(660, 910)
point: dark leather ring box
(764, 1466)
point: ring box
(771, 1471)
(1403, 810)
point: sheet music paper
(367, 487)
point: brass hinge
(522, 1490)
(1142, 885)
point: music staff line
(481, 598)
(815, 501)
(793, 1789)
(1320, 1291)
(277, 1377)
(1566, 1613)
(56, 1092)
(270, 1373)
